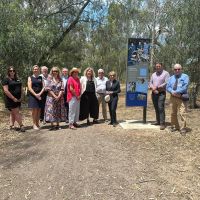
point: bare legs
(36, 117)
(16, 116)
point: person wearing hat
(73, 97)
(101, 91)
(112, 89)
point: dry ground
(100, 162)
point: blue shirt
(183, 82)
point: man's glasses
(177, 69)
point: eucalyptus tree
(31, 30)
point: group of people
(62, 97)
(177, 86)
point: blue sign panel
(137, 72)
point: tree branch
(58, 41)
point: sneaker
(110, 123)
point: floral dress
(55, 111)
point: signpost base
(144, 114)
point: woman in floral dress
(55, 110)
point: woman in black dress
(36, 88)
(113, 88)
(12, 88)
(89, 106)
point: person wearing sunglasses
(12, 88)
(55, 111)
(177, 86)
(158, 84)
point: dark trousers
(159, 105)
(43, 102)
(112, 109)
(66, 105)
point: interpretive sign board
(137, 71)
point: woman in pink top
(73, 98)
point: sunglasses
(55, 71)
(177, 69)
(11, 70)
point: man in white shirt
(44, 75)
(101, 91)
(65, 77)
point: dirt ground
(100, 162)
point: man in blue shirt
(177, 86)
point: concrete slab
(136, 124)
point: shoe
(76, 125)
(88, 122)
(173, 129)
(12, 128)
(35, 127)
(155, 123)
(183, 131)
(115, 124)
(53, 128)
(95, 121)
(105, 120)
(72, 127)
(110, 123)
(57, 127)
(22, 129)
(162, 127)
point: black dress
(89, 103)
(37, 86)
(15, 88)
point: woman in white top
(89, 104)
